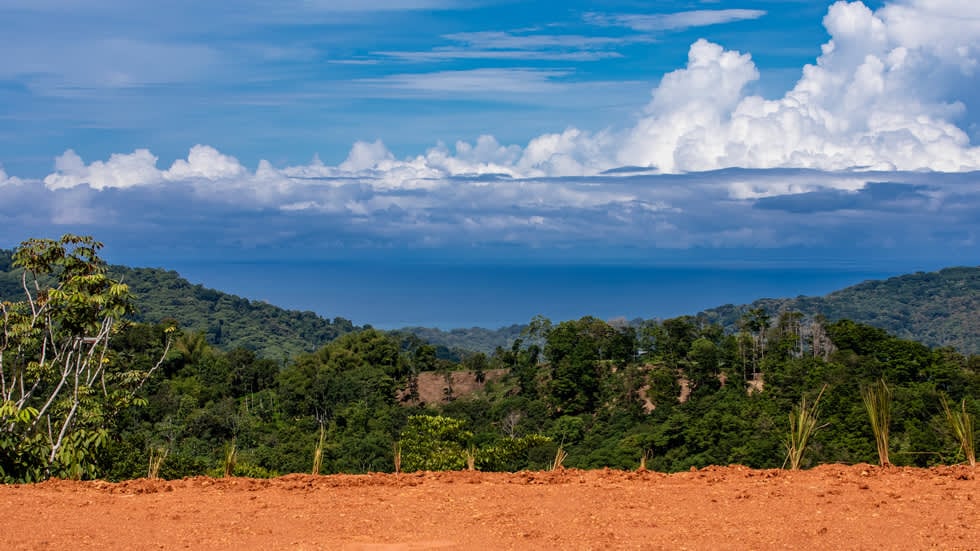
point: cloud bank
(865, 148)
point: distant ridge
(472, 339)
(228, 321)
(936, 308)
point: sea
(399, 293)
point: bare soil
(433, 384)
(829, 507)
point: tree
(702, 365)
(756, 323)
(61, 384)
(477, 363)
(434, 443)
(581, 353)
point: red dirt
(432, 384)
(830, 507)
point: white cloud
(861, 104)
(476, 81)
(9, 180)
(522, 45)
(947, 29)
(475, 194)
(120, 171)
(674, 21)
(207, 163)
(367, 156)
(877, 97)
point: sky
(714, 134)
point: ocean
(400, 293)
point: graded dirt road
(830, 507)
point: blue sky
(681, 133)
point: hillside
(229, 321)
(473, 339)
(935, 308)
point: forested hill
(935, 308)
(229, 321)
(473, 339)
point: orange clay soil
(830, 507)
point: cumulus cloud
(120, 171)
(882, 95)
(6, 180)
(862, 103)
(207, 163)
(837, 157)
(458, 197)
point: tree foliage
(61, 383)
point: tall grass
(647, 454)
(962, 424)
(157, 457)
(231, 459)
(878, 401)
(802, 426)
(560, 456)
(318, 451)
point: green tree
(581, 353)
(62, 385)
(434, 443)
(702, 365)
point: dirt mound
(733, 507)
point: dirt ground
(830, 507)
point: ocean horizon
(394, 294)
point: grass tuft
(560, 456)
(157, 457)
(878, 401)
(318, 451)
(962, 425)
(231, 459)
(802, 426)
